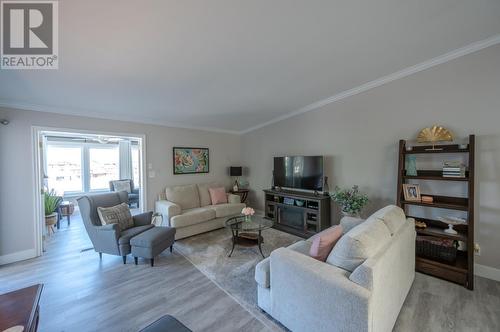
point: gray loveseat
(109, 239)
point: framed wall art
(190, 160)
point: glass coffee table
(248, 232)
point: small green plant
(51, 202)
(351, 201)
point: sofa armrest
(105, 239)
(262, 273)
(312, 295)
(233, 199)
(108, 228)
(168, 210)
(143, 219)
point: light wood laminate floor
(82, 293)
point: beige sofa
(361, 287)
(189, 209)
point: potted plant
(351, 201)
(51, 202)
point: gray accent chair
(133, 195)
(109, 239)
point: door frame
(36, 131)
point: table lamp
(236, 171)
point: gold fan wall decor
(434, 135)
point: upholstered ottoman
(166, 323)
(152, 242)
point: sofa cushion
(349, 223)
(323, 242)
(360, 243)
(118, 214)
(227, 209)
(186, 197)
(205, 194)
(192, 217)
(218, 195)
(128, 234)
(393, 217)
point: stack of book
(453, 169)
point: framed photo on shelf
(190, 160)
(412, 192)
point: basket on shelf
(436, 248)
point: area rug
(235, 275)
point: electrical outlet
(477, 249)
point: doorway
(70, 164)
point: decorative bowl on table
(452, 221)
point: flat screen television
(299, 172)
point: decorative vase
(411, 165)
(248, 218)
(350, 214)
(326, 187)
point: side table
(243, 193)
(21, 308)
(66, 209)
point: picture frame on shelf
(412, 192)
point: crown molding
(92, 114)
(471, 48)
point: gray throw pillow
(122, 185)
(119, 214)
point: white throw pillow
(360, 243)
(393, 217)
(118, 214)
(122, 186)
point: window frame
(89, 146)
(85, 163)
(82, 162)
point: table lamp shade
(235, 171)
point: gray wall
(17, 178)
(359, 136)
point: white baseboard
(487, 272)
(17, 256)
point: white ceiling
(233, 65)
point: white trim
(487, 272)
(471, 48)
(36, 130)
(18, 256)
(452, 55)
(37, 190)
(93, 114)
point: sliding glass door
(104, 166)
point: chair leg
(124, 259)
(100, 255)
(135, 260)
(152, 262)
(171, 248)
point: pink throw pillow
(324, 242)
(218, 195)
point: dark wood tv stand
(300, 213)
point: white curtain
(125, 159)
